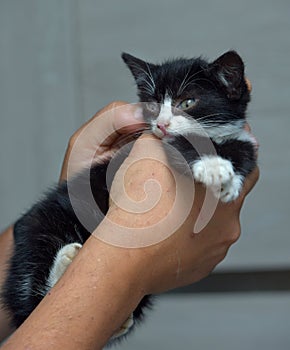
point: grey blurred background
(60, 63)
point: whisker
(151, 76)
(180, 90)
(216, 114)
(207, 80)
(150, 83)
(193, 83)
(146, 90)
(188, 80)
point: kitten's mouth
(162, 128)
(162, 133)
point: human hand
(106, 129)
(168, 257)
(105, 283)
(100, 137)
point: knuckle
(116, 104)
(231, 235)
(72, 140)
(234, 236)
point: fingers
(250, 182)
(247, 127)
(249, 84)
(127, 117)
(254, 140)
(116, 119)
(148, 146)
(98, 138)
(121, 121)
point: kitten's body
(176, 94)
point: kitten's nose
(163, 127)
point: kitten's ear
(229, 72)
(138, 68)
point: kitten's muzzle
(163, 128)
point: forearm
(104, 284)
(94, 297)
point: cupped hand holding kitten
(183, 258)
(124, 276)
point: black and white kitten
(191, 99)
(176, 95)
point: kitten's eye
(152, 107)
(186, 104)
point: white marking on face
(165, 116)
(161, 124)
(167, 125)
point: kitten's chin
(161, 135)
(158, 133)
(165, 138)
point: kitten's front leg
(63, 259)
(218, 174)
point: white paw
(63, 259)
(218, 174)
(124, 328)
(67, 253)
(231, 191)
(213, 171)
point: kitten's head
(180, 92)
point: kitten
(187, 100)
(176, 95)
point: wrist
(98, 291)
(129, 265)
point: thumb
(117, 119)
(149, 147)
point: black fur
(52, 223)
(223, 97)
(38, 235)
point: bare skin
(6, 242)
(104, 283)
